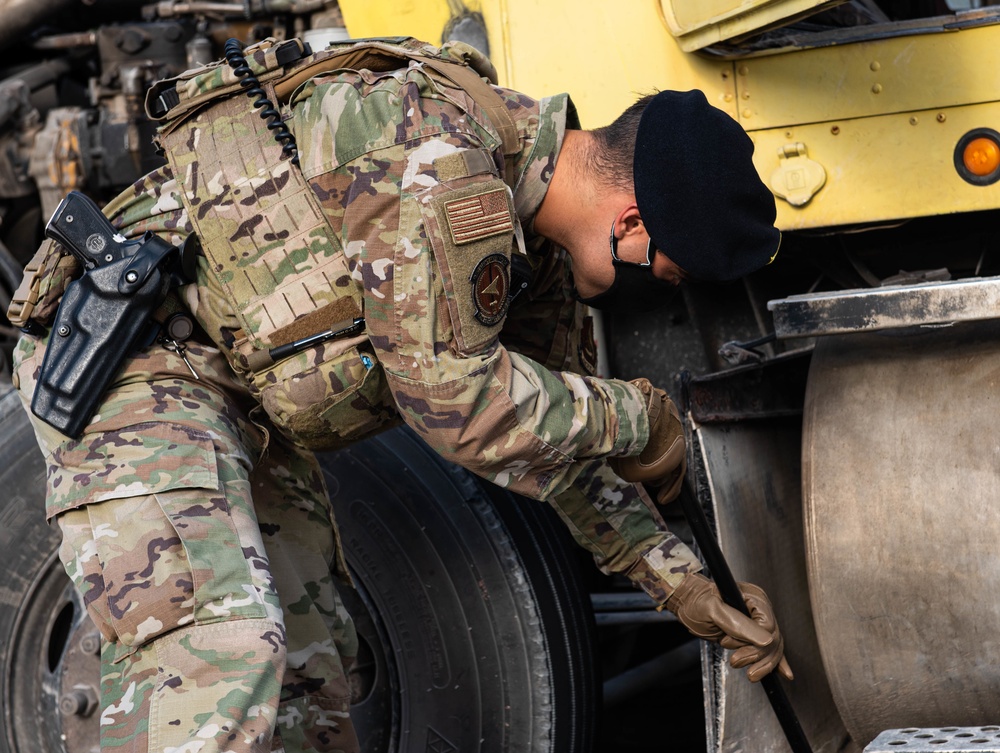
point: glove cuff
(690, 587)
(665, 451)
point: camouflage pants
(203, 550)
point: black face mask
(635, 287)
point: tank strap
(492, 105)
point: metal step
(937, 740)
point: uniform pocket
(328, 396)
(140, 459)
(150, 534)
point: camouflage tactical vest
(270, 248)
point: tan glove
(756, 639)
(663, 461)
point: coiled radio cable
(252, 88)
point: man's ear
(629, 222)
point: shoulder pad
(172, 97)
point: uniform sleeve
(381, 180)
(618, 524)
(540, 432)
(506, 418)
(612, 519)
(499, 414)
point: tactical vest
(291, 283)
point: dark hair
(614, 146)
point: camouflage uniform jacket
(374, 148)
(494, 411)
(504, 393)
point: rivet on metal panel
(875, 65)
(747, 112)
(835, 130)
(743, 70)
(941, 117)
(876, 88)
(914, 120)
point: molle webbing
(380, 57)
(270, 247)
(267, 240)
(44, 266)
(286, 65)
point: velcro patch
(490, 288)
(480, 216)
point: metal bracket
(870, 309)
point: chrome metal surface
(755, 490)
(872, 309)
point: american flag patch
(479, 216)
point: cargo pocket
(328, 396)
(162, 549)
(471, 230)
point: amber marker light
(981, 156)
(977, 156)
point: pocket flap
(137, 460)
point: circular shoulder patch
(490, 285)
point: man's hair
(614, 147)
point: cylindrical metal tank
(901, 487)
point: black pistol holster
(102, 315)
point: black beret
(698, 192)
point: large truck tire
(476, 633)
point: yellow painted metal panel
(604, 54)
(878, 167)
(423, 19)
(870, 78)
(699, 23)
(882, 168)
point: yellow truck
(842, 403)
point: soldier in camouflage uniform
(196, 524)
